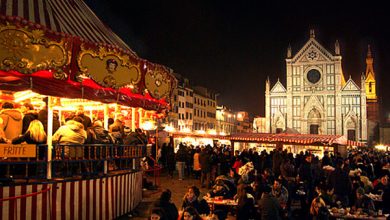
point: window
(330, 106)
(331, 127)
(180, 93)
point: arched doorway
(314, 121)
(351, 130)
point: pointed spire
(369, 54)
(369, 63)
(267, 84)
(337, 47)
(289, 54)
(312, 33)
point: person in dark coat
(204, 159)
(42, 116)
(29, 115)
(96, 134)
(246, 203)
(170, 158)
(181, 157)
(326, 161)
(191, 198)
(277, 160)
(364, 202)
(86, 120)
(341, 183)
(164, 202)
(269, 206)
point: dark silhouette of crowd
(281, 185)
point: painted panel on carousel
(158, 83)
(108, 68)
(28, 51)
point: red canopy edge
(42, 82)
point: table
(360, 217)
(225, 202)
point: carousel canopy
(60, 48)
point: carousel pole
(106, 116)
(49, 135)
(133, 119)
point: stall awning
(305, 139)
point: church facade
(318, 99)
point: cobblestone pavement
(178, 189)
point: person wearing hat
(269, 205)
(363, 202)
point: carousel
(60, 50)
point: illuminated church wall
(317, 98)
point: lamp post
(149, 126)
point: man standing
(269, 205)
(341, 183)
(86, 120)
(12, 121)
(29, 115)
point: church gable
(313, 102)
(312, 51)
(278, 88)
(351, 86)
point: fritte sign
(18, 150)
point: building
(205, 107)
(317, 98)
(226, 120)
(259, 125)
(372, 100)
(181, 116)
(243, 124)
(193, 108)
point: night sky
(232, 46)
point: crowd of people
(24, 124)
(278, 184)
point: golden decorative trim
(28, 51)
(158, 84)
(108, 67)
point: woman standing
(196, 164)
(35, 134)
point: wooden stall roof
(294, 139)
(304, 139)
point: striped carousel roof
(71, 17)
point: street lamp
(149, 126)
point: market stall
(293, 143)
